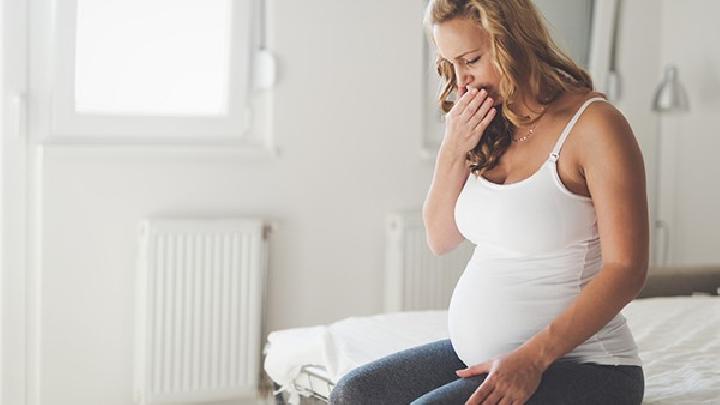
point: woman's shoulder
(601, 119)
(570, 103)
(596, 115)
(600, 128)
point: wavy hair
(530, 63)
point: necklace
(530, 131)
(524, 138)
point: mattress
(678, 340)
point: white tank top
(537, 245)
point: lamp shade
(670, 95)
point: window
(164, 57)
(154, 71)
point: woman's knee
(346, 391)
(359, 386)
(398, 377)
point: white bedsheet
(679, 342)
(678, 338)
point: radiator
(416, 279)
(200, 289)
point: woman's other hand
(466, 122)
(512, 379)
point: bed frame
(661, 282)
(679, 281)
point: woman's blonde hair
(530, 63)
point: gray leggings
(426, 375)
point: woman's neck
(532, 109)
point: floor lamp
(670, 97)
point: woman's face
(466, 45)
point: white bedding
(678, 339)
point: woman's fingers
(494, 398)
(466, 121)
(480, 113)
(507, 400)
(486, 121)
(463, 101)
(479, 130)
(473, 105)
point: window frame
(53, 42)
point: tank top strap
(555, 154)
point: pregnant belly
(490, 314)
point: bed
(675, 321)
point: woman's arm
(465, 123)
(614, 171)
(439, 206)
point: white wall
(638, 65)
(2, 202)
(653, 35)
(347, 120)
(690, 192)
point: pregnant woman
(546, 178)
